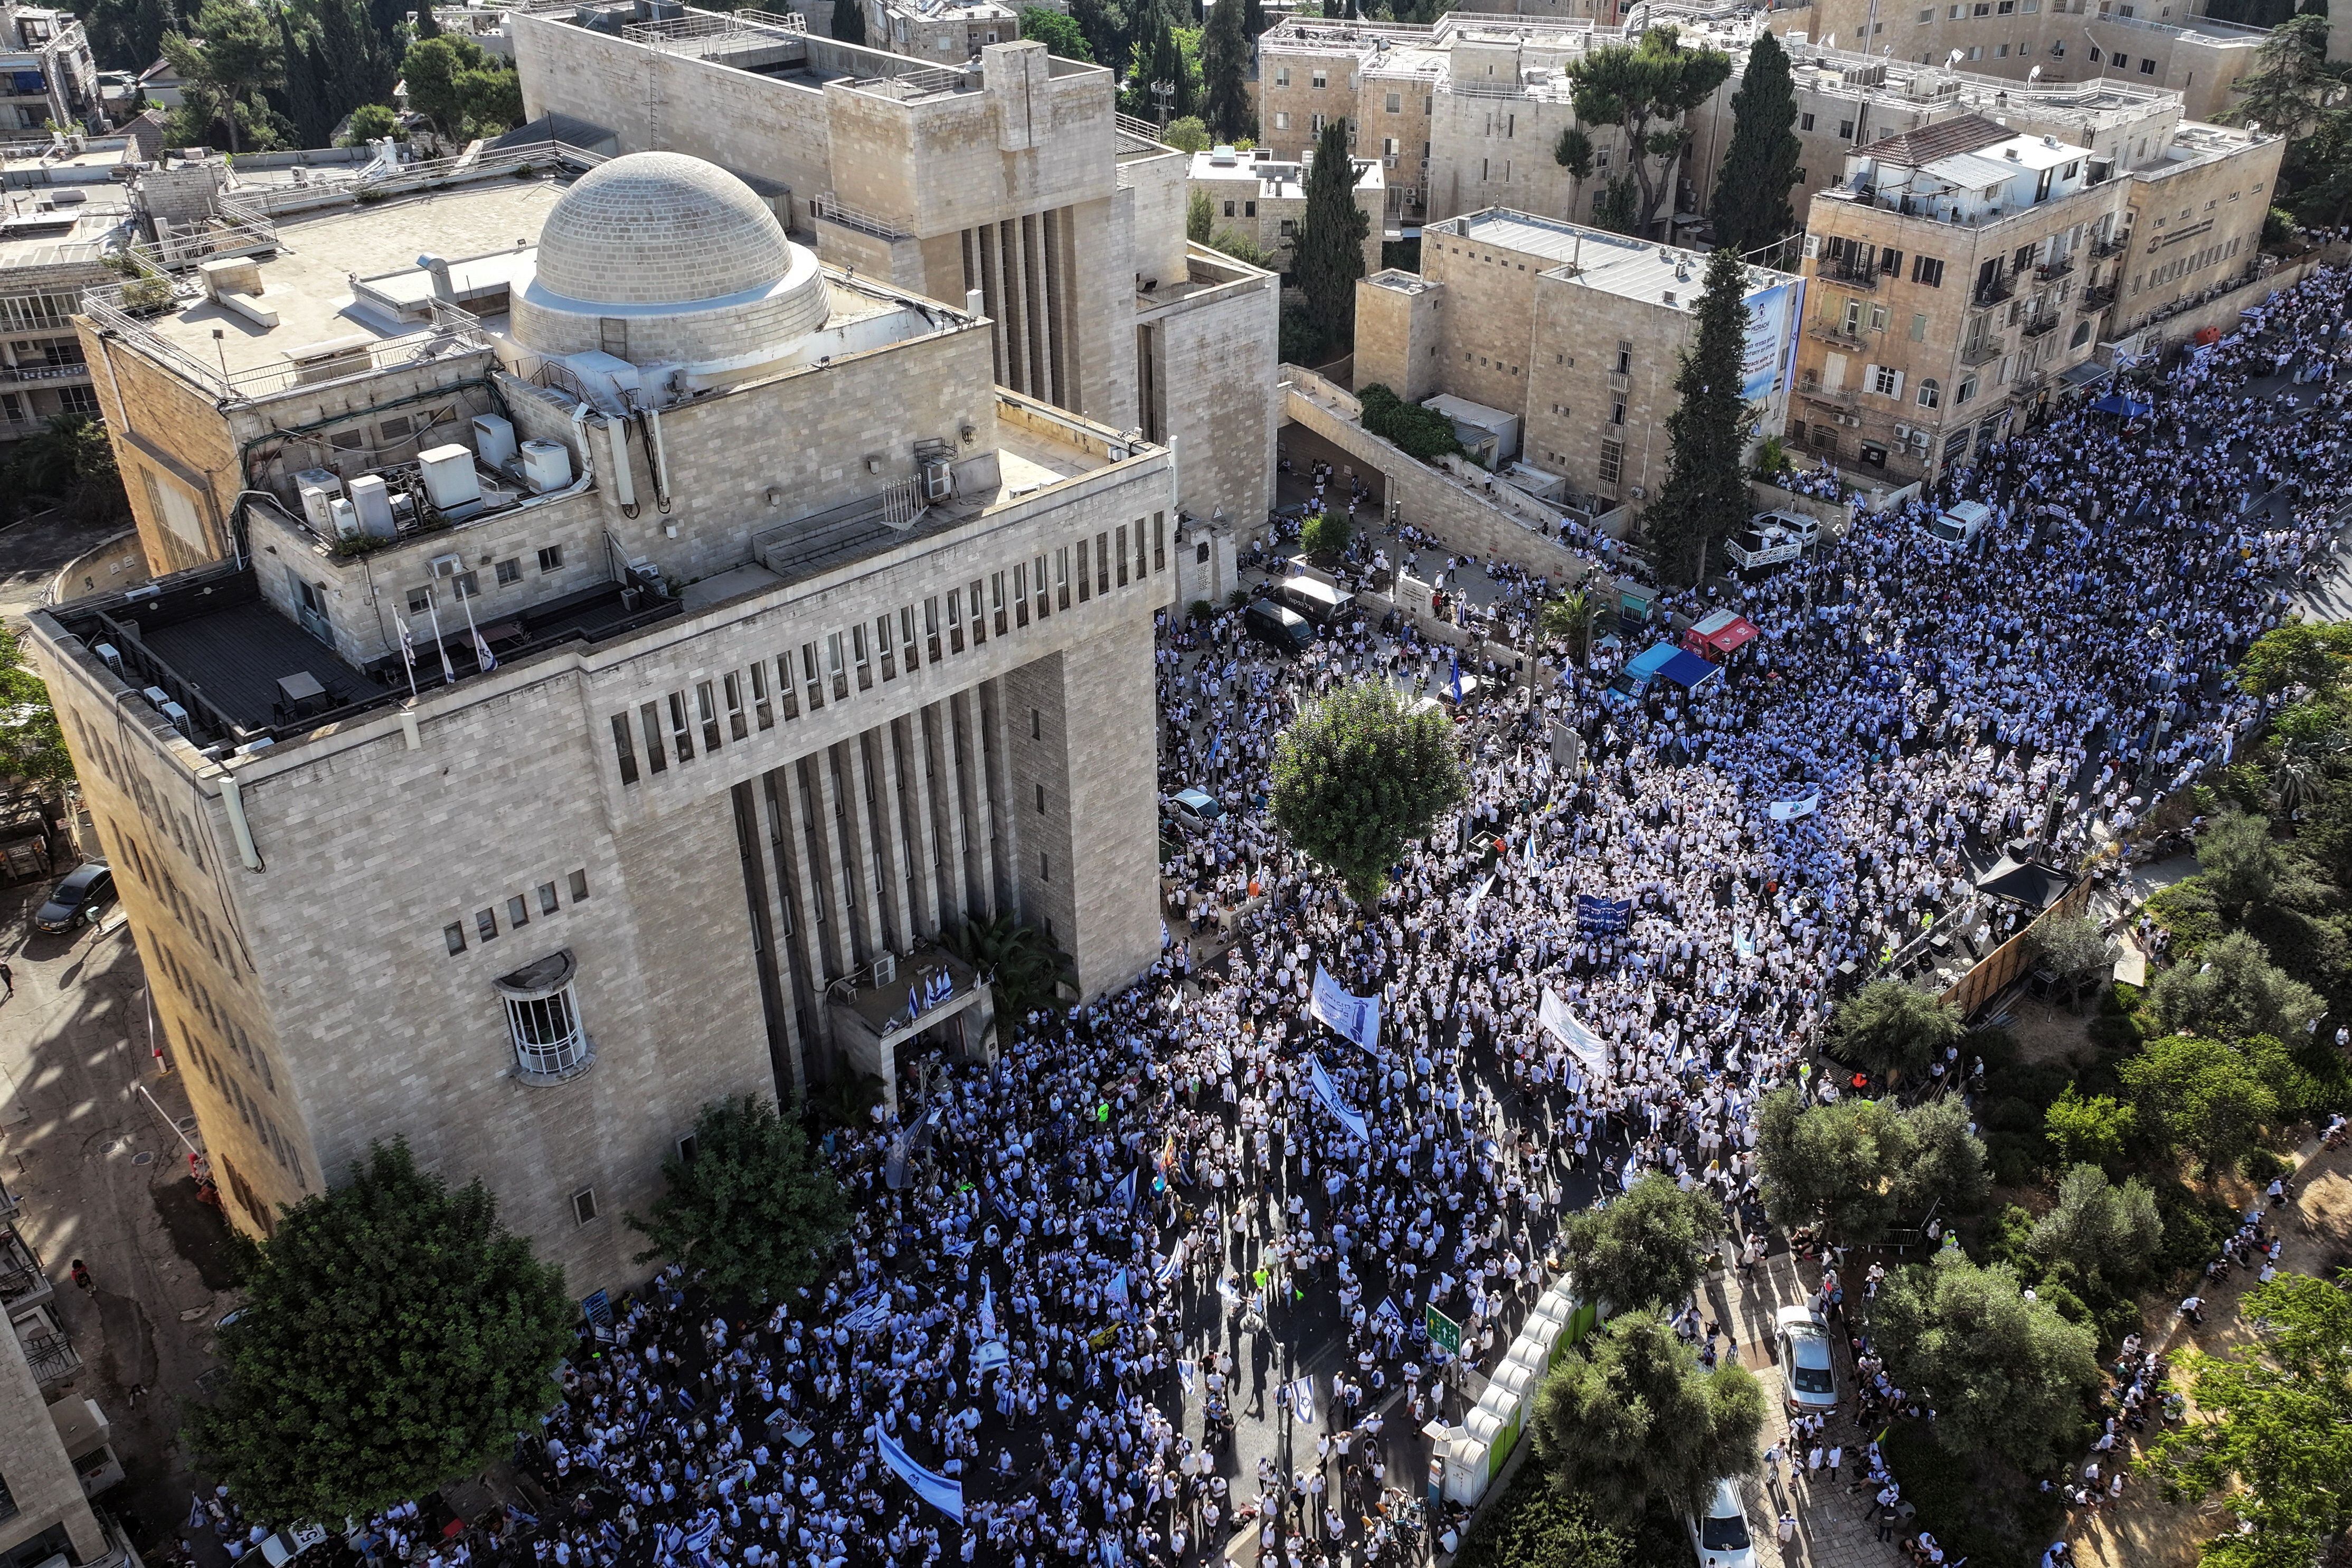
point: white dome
(660, 228)
(663, 259)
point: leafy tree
(849, 21)
(2235, 991)
(306, 101)
(1423, 433)
(1253, 18)
(1854, 1165)
(428, 25)
(1760, 167)
(1160, 57)
(1021, 961)
(1328, 257)
(1570, 619)
(2314, 654)
(1617, 206)
(1537, 1524)
(2273, 1428)
(1225, 72)
(2205, 1094)
(237, 55)
(373, 122)
(69, 463)
(2087, 1129)
(462, 91)
(1105, 24)
(1199, 212)
(396, 1337)
(1357, 776)
(1573, 152)
(1636, 1418)
(1061, 35)
(2072, 948)
(2237, 860)
(1704, 498)
(2282, 94)
(354, 63)
(1637, 85)
(1324, 535)
(2006, 1376)
(2104, 1231)
(1646, 1249)
(128, 35)
(32, 747)
(1240, 247)
(1894, 1029)
(754, 1211)
(1189, 134)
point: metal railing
(2057, 267)
(1849, 277)
(454, 332)
(1836, 333)
(825, 208)
(2097, 298)
(45, 373)
(1993, 291)
(2107, 248)
(1983, 353)
(2041, 326)
(703, 34)
(52, 1358)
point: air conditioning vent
(939, 480)
(448, 565)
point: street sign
(1445, 1332)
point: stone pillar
(922, 840)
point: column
(1016, 306)
(935, 725)
(972, 796)
(881, 762)
(1007, 812)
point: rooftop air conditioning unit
(546, 466)
(448, 565)
(371, 498)
(109, 655)
(177, 715)
(939, 480)
(157, 695)
(317, 487)
(448, 475)
(886, 968)
(494, 440)
(342, 520)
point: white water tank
(448, 475)
(317, 487)
(342, 520)
(546, 464)
(371, 498)
(494, 439)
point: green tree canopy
(32, 746)
(754, 1211)
(1704, 498)
(2006, 1377)
(2233, 990)
(2103, 1231)
(1570, 619)
(1855, 1166)
(2237, 861)
(1200, 212)
(849, 21)
(1636, 1417)
(1329, 257)
(2206, 1094)
(2282, 94)
(1760, 167)
(68, 463)
(1061, 35)
(1422, 433)
(1637, 85)
(1646, 1249)
(462, 91)
(2273, 1428)
(2073, 947)
(395, 1338)
(1225, 72)
(237, 54)
(2087, 1129)
(1190, 134)
(2317, 653)
(1894, 1029)
(373, 122)
(1324, 535)
(1358, 775)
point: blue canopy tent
(1689, 671)
(2129, 407)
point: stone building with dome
(597, 649)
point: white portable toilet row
(1483, 1444)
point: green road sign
(1445, 1332)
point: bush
(1200, 609)
(1325, 537)
(1535, 1524)
(2278, 228)
(2112, 1033)
(2195, 1226)
(2189, 911)
(2263, 1167)
(1422, 433)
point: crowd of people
(1113, 1243)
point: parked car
(1720, 1536)
(282, 1548)
(80, 899)
(1807, 1364)
(1190, 811)
(1277, 625)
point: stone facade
(1264, 199)
(35, 1469)
(2195, 220)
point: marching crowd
(1052, 1317)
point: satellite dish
(2033, 75)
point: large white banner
(941, 1494)
(1358, 1017)
(1589, 1049)
(1789, 810)
(1329, 1093)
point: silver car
(1807, 1365)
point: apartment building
(1265, 198)
(620, 646)
(2161, 43)
(1571, 335)
(48, 78)
(1956, 276)
(55, 1444)
(56, 241)
(2193, 221)
(1013, 185)
(942, 32)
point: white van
(1960, 522)
(1317, 600)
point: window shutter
(1897, 391)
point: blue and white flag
(1121, 1288)
(1458, 679)
(196, 1519)
(941, 1494)
(1329, 1093)
(1186, 1373)
(987, 1308)
(1478, 897)
(1358, 1017)
(986, 1358)
(1170, 1264)
(1602, 916)
(1388, 1309)
(1789, 810)
(1302, 1399)
(1125, 1192)
(1588, 1048)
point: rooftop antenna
(1163, 93)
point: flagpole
(480, 647)
(448, 674)
(408, 657)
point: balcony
(1984, 353)
(2107, 248)
(2095, 299)
(52, 1358)
(22, 1282)
(2051, 271)
(1832, 396)
(2042, 327)
(1836, 335)
(1994, 292)
(1848, 277)
(43, 373)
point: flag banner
(1589, 1049)
(1789, 810)
(1170, 1264)
(1127, 1191)
(987, 1306)
(1224, 1062)
(987, 1357)
(1119, 1291)
(1602, 916)
(1358, 1017)
(1479, 897)
(482, 652)
(1329, 1093)
(1302, 1399)
(1229, 1289)
(1186, 1372)
(941, 1494)
(864, 1320)
(1388, 1309)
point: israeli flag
(941, 1494)
(1358, 1017)
(1588, 1048)
(1458, 679)
(1479, 897)
(987, 1308)
(1789, 810)
(1126, 1191)
(1328, 1093)
(1170, 1265)
(1302, 1399)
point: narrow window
(787, 693)
(979, 614)
(1160, 542)
(649, 721)
(837, 667)
(931, 627)
(706, 706)
(1102, 563)
(1122, 555)
(763, 706)
(907, 637)
(739, 723)
(815, 675)
(1019, 596)
(455, 936)
(1086, 581)
(1142, 558)
(1044, 866)
(547, 904)
(1062, 578)
(885, 647)
(996, 599)
(1044, 598)
(1041, 800)
(551, 559)
(1037, 725)
(624, 749)
(865, 656)
(486, 924)
(681, 734)
(518, 911)
(955, 620)
(583, 1205)
(579, 885)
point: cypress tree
(306, 105)
(427, 24)
(1225, 68)
(357, 66)
(849, 21)
(1329, 256)
(1705, 500)
(1752, 198)
(1253, 18)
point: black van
(1284, 630)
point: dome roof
(660, 228)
